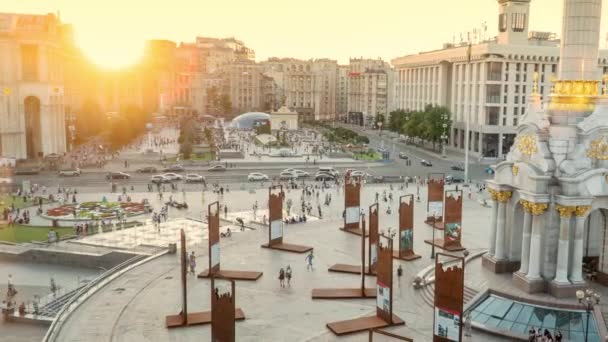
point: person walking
(309, 259)
(192, 262)
(282, 277)
(225, 211)
(288, 275)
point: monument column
(537, 210)
(565, 213)
(525, 243)
(502, 198)
(492, 244)
(577, 254)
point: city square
(202, 193)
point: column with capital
(492, 244)
(502, 198)
(537, 210)
(565, 213)
(577, 254)
(525, 242)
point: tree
(89, 121)
(225, 104)
(435, 118)
(213, 100)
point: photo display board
(223, 310)
(213, 226)
(373, 238)
(406, 225)
(449, 298)
(452, 232)
(275, 208)
(436, 184)
(352, 202)
(384, 279)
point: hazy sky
(113, 32)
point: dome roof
(246, 120)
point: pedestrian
(558, 336)
(308, 259)
(468, 324)
(225, 211)
(288, 275)
(192, 263)
(282, 277)
(531, 334)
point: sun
(112, 54)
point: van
(330, 170)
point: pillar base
(565, 289)
(499, 266)
(528, 285)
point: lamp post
(444, 136)
(468, 118)
(588, 299)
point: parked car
(330, 170)
(147, 169)
(451, 179)
(257, 177)
(361, 174)
(457, 167)
(301, 174)
(425, 162)
(70, 172)
(174, 168)
(118, 175)
(194, 178)
(288, 175)
(159, 179)
(404, 156)
(173, 176)
(321, 176)
(217, 168)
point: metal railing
(92, 287)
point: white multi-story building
(342, 91)
(487, 82)
(370, 87)
(34, 53)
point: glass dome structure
(247, 120)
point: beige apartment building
(308, 87)
(486, 82)
(370, 87)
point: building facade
(486, 83)
(32, 103)
(370, 87)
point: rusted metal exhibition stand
(452, 220)
(406, 230)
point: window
(517, 89)
(502, 22)
(518, 22)
(514, 121)
(29, 62)
(516, 111)
(516, 99)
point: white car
(288, 175)
(194, 178)
(301, 174)
(158, 179)
(69, 172)
(361, 174)
(173, 176)
(257, 177)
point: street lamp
(444, 136)
(588, 299)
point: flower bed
(95, 210)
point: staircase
(428, 294)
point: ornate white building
(32, 105)
(551, 193)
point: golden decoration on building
(503, 196)
(598, 149)
(7, 91)
(526, 144)
(565, 211)
(605, 86)
(537, 208)
(582, 210)
(535, 84)
(574, 95)
(515, 170)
